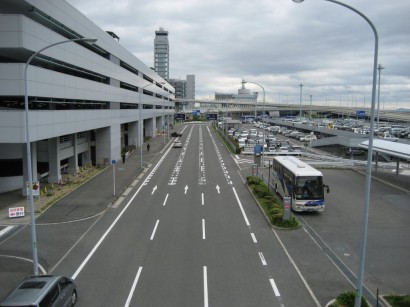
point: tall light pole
(300, 105)
(379, 68)
(369, 154)
(263, 90)
(28, 149)
(263, 110)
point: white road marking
(186, 189)
(254, 238)
(155, 229)
(262, 258)
(165, 201)
(205, 287)
(203, 230)
(202, 199)
(240, 206)
(134, 285)
(275, 289)
(6, 230)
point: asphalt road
(190, 234)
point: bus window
(309, 188)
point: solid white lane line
(155, 229)
(205, 287)
(262, 259)
(203, 202)
(134, 285)
(240, 206)
(165, 201)
(275, 289)
(203, 229)
(254, 238)
(297, 269)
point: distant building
(184, 89)
(161, 53)
(190, 87)
(244, 94)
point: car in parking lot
(43, 290)
(389, 137)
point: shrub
(269, 203)
(346, 299)
(398, 300)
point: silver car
(43, 290)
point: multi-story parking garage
(86, 100)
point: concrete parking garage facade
(83, 98)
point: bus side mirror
(326, 187)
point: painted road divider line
(155, 229)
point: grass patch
(270, 204)
(398, 300)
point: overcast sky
(276, 43)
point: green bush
(346, 299)
(269, 203)
(398, 300)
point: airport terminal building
(86, 100)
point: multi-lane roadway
(189, 233)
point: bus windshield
(309, 188)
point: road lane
(184, 242)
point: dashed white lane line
(254, 238)
(262, 258)
(275, 289)
(205, 287)
(134, 285)
(203, 230)
(166, 198)
(155, 229)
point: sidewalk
(90, 197)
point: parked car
(176, 134)
(308, 138)
(355, 152)
(43, 290)
(389, 137)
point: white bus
(299, 181)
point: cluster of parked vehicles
(267, 138)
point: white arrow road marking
(186, 188)
(217, 188)
(153, 190)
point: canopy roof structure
(394, 149)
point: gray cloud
(277, 43)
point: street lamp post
(359, 285)
(300, 104)
(379, 68)
(28, 149)
(263, 114)
(263, 108)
